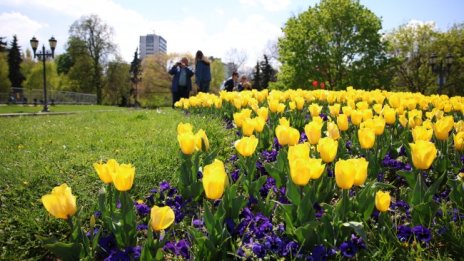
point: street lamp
(42, 55)
(441, 69)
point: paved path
(48, 113)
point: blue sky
(212, 26)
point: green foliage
(336, 41)
(217, 74)
(41, 152)
(96, 35)
(34, 79)
(263, 74)
(64, 63)
(117, 83)
(5, 83)
(14, 64)
(155, 78)
(80, 79)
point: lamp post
(42, 55)
(441, 69)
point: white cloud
(187, 34)
(269, 5)
(16, 23)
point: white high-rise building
(151, 44)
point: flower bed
(317, 175)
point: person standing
(202, 72)
(181, 82)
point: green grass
(38, 153)
(56, 108)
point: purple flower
(118, 255)
(197, 223)
(134, 251)
(402, 151)
(319, 253)
(163, 186)
(95, 231)
(97, 214)
(269, 156)
(407, 167)
(258, 250)
(230, 225)
(233, 158)
(240, 252)
(348, 145)
(323, 116)
(235, 174)
(291, 248)
(348, 249)
(170, 247)
(107, 243)
(422, 233)
(142, 227)
(380, 177)
(303, 137)
(183, 248)
(142, 209)
(319, 210)
(199, 175)
(403, 233)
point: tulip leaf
(293, 192)
(411, 177)
(65, 251)
(358, 228)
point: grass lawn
(57, 108)
(38, 153)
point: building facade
(151, 44)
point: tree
(267, 73)
(34, 79)
(335, 41)
(97, 38)
(257, 77)
(64, 63)
(117, 83)
(14, 64)
(81, 64)
(236, 58)
(5, 83)
(411, 45)
(217, 74)
(135, 73)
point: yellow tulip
(299, 103)
(201, 138)
(366, 138)
(345, 172)
(377, 108)
(61, 203)
(347, 110)
(403, 120)
(239, 117)
(442, 127)
(382, 201)
(342, 122)
(187, 143)
(263, 113)
(389, 115)
(300, 171)
(332, 131)
(459, 141)
(367, 114)
(287, 135)
(421, 133)
(259, 124)
(214, 179)
(184, 128)
(313, 131)
(459, 126)
(361, 170)
(356, 117)
(292, 105)
(284, 121)
(161, 217)
(334, 110)
(327, 148)
(104, 170)
(379, 125)
(315, 109)
(123, 178)
(248, 126)
(423, 154)
(273, 105)
(316, 168)
(298, 151)
(246, 146)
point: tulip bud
(423, 154)
(366, 138)
(459, 141)
(327, 148)
(187, 143)
(382, 201)
(345, 173)
(60, 203)
(342, 122)
(214, 179)
(361, 170)
(161, 217)
(313, 131)
(332, 131)
(184, 128)
(287, 135)
(123, 178)
(246, 146)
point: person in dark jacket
(181, 82)
(202, 72)
(231, 83)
